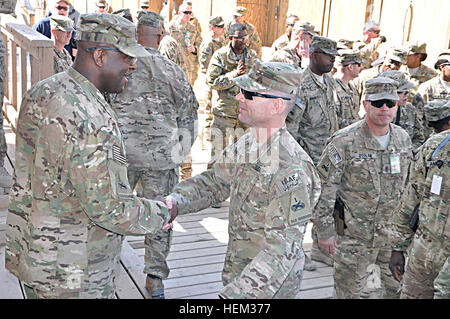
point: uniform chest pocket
(360, 176)
(315, 112)
(117, 168)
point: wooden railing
(29, 59)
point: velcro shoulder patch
(334, 156)
(288, 182)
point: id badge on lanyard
(395, 163)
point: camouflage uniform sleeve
(85, 169)
(293, 120)
(205, 189)
(187, 112)
(204, 56)
(402, 234)
(331, 169)
(286, 215)
(215, 77)
(418, 137)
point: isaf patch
(289, 182)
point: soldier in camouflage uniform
(71, 204)
(5, 177)
(407, 116)
(215, 41)
(293, 53)
(438, 88)
(61, 29)
(283, 40)
(272, 184)
(371, 42)
(395, 57)
(429, 190)
(349, 64)
(156, 110)
(414, 68)
(188, 38)
(314, 120)
(365, 165)
(170, 49)
(228, 62)
(254, 42)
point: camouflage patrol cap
(437, 110)
(346, 56)
(416, 47)
(400, 77)
(397, 54)
(381, 88)
(63, 23)
(110, 29)
(344, 44)
(324, 44)
(126, 13)
(266, 76)
(145, 3)
(239, 11)
(216, 21)
(304, 26)
(151, 19)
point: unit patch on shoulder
(299, 210)
(334, 156)
(289, 182)
(324, 167)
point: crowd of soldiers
(324, 131)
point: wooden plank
(135, 268)
(195, 270)
(187, 246)
(319, 272)
(198, 261)
(14, 73)
(320, 293)
(192, 291)
(192, 280)
(125, 286)
(315, 283)
(190, 253)
(10, 285)
(23, 67)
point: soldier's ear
(99, 57)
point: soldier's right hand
(242, 68)
(328, 245)
(171, 204)
(397, 264)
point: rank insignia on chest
(118, 156)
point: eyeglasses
(396, 63)
(379, 103)
(290, 24)
(144, 7)
(239, 37)
(187, 12)
(374, 31)
(249, 95)
(351, 63)
(131, 60)
(403, 92)
(62, 8)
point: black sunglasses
(187, 12)
(249, 95)
(379, 103)
(131, 60)
(62, 8)
(375, 31)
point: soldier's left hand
(171, 204)
(328, 245)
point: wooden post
(323, 15)
(329, 15)
(170, 9)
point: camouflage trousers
(157, 246)
(424, 264)
(192, 69)
(107, 292)
(224, 131)
(355, 266)
(442, 282)
(207, 98)
(186, 167)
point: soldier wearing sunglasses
(283, 40)
(272, 184)
(371, 42)
(365, 166)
